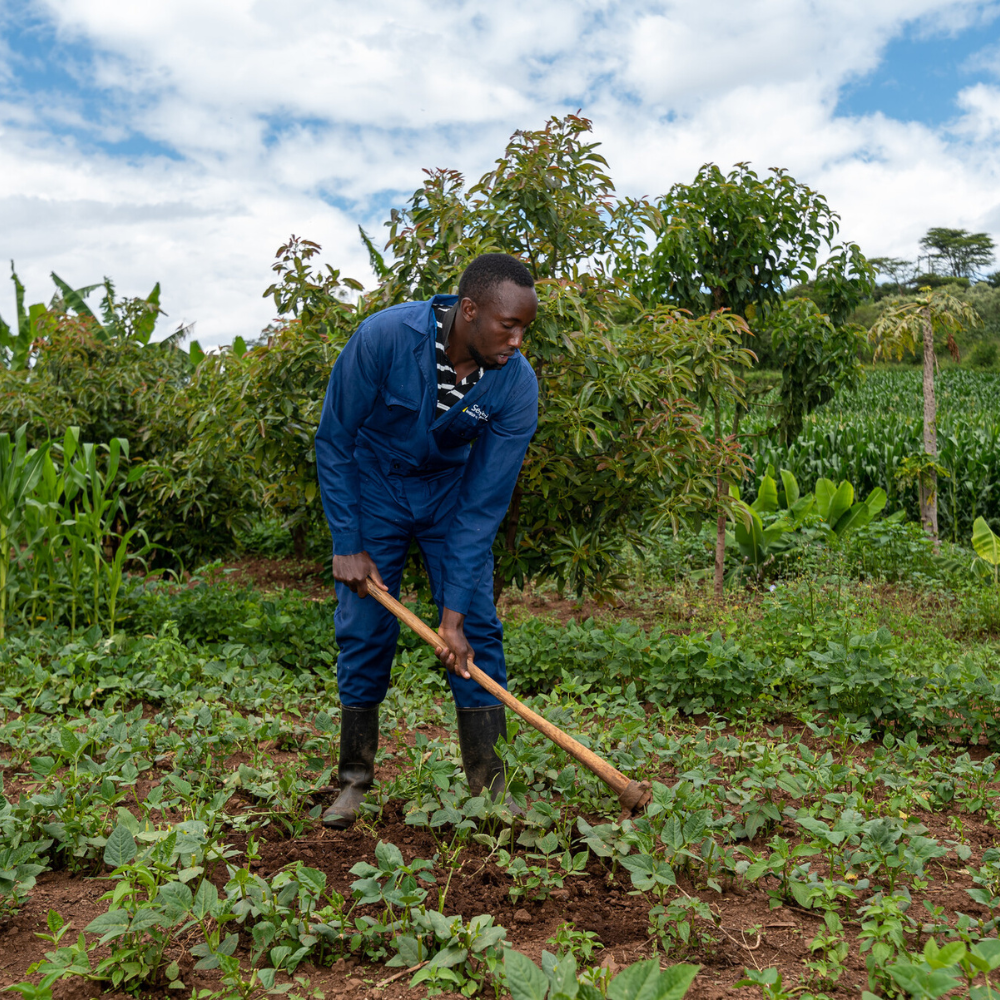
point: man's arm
(350, 398)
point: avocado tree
(620, 448)
(736, 241)
(817, 359)
(905, 326)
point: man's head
(497, 301)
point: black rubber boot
(478, 729)
(356, 766)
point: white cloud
(272, 108)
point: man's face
(497, 325)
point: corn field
(63, 533)
(863, 436)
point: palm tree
(903, 325)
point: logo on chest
(475, 411)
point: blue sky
(921, 72)
(183, 142)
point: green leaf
(791, 488)
(110, 925)
(645, 981)
(857, 517)
(206, 899)
(825, 491)
(388, 856)
(767, 495)
(989, 949)
(74, 297)
(876, 500)
(841, 502)
(801, 893)
(69, 741)
(941, 958)
(986, 544)
(524, 979)
(120, 848)
(922, 982)
(750, 539)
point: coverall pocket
(394, 412)
(461, 430)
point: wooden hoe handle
(633, 795)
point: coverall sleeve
(350, 398)
(484, 495)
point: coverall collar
(425, 354)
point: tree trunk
(928, 481)
(720, 525)
(299, 540)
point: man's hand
(354, 570)
(456, 652)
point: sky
(183, 142)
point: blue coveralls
(391, 470)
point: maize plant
(20, 470)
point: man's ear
(468, 308)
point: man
(427, 417)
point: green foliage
(987, 545)
(963, 253)
(816, 359)
(739, 236)
(295, 632)
(984, 356)
(558, 980)
(18, 869)
(864, 436)
(830, 508)
(903, 323)
(65, 529)
(111, 381)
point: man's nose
(516, 336)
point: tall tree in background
(735, 241)
(900, 329)
(963, 254)
(899, 270)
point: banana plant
(987, 546)
(15, 345)
(758, 543)
(840, 514)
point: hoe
(633, 795)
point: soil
(748, 932)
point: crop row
(864, 435)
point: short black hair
(488, 272)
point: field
(864, 435)
(823, 753)
(780, 836)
